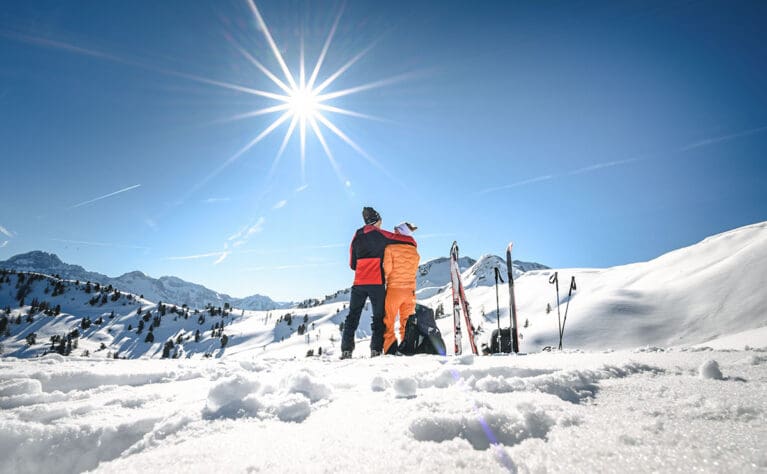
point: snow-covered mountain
(436, 273)
(694, 318)
(704, 293)
(434, 276)
(168, 289)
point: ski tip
(508, 249)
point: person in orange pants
(400, 264)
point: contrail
(599, 166)
(195, 257)
(5, 231)
(106, 196)
(519, 183)
(101, 244)
(723, 138)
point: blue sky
(589, 133)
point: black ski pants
(360, 293)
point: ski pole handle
(498, 275)
(572, 284)
(554, 278)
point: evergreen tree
(166, 348)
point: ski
(460, 305)
(512, 301)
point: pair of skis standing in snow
(503, 340)
(460, 305)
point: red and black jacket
(367, 250)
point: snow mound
(12, 387)
(232, 397)
(405, 387)
(292, 408)
(569, 385)
(289, 400)
(308, 385)
(84, 379)
(485, 427)
(710, 370)
(36, 447)
(379, 384)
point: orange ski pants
(398, 301)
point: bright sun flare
(302, 102)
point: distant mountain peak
(134, 274)
(37, 257)
(169, 289)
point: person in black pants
(366, 259)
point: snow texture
(656, 376)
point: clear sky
(589, 133)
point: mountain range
(431, 278)
(169, 289)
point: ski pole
(498, 305)
(567, 307)
(554, 279)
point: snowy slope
(167, 288)
(664, 411)
(689, 398)
(690, 295)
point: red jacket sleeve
(393, 238)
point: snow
(664, 369)
(618, 411)
(405, 387)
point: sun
(302, 103)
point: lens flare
(302, 102)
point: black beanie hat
(370, 216)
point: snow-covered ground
(625, 411)
(664, 370)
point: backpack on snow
(505, 341)
(422, 336)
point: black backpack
(422, 336)
(505, 341)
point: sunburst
(302, 103)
